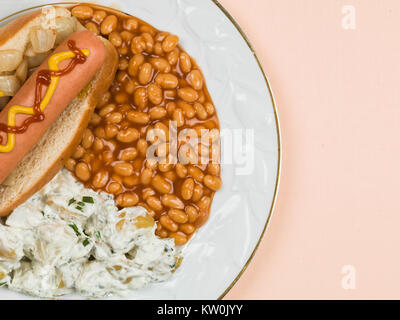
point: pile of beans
(156, 82)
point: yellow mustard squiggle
(54, 60)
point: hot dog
(67, 88)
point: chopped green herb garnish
(2, 283)
(71, 201)
(42, 213)
(79, 208)
(85, 242)
(82, 204)
(75, 228)
(98, 235)
(88, 199)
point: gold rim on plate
(278, 132)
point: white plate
(221, 250)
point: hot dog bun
(57, 144)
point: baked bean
(187, 155)
(145, 176)
(107, 157)
(110, 130)
(79, 152)
(195, 79)
(126, 37)
(88, 157)
(172, 201)
(70, 164)
(201, 112)
(149, 41)
(188, 94)
(140, 98)
(114, 188)
(169, 43)
(123, 50)
(109, 24)
(161, 36)
(167, 80)
(168, 223)
(92, 27)
(128, 135)
(160, 184)
(148, 192)
(82, 12)
(100, 132)
(163, 233)
(130, 86)
(100, 179)
(160, 64)
(148, 29)
(141, 146)
(121, 98)
(196, 173)
(124, 169)
(213, 168)
(151, 164)
(145, 73)
(178, 117)
(106, 110)
(157, 113)
(154, 93)
(158, 49)
(82, 171)
(178, 216)
(173, 57)
(165, 167)
(187, 109)
(181, 170)
(154, 203)
(127, 199)
(164, 131)
(114, 117)
(197, 193)
(187, 189)
(170, 175)
(192, 213)
(204, 203)
(179, 238)
(130, 24)
(98, 16)
(88, 139)
(95, 119)
(170, 94)
(215, 153)
(138, 45)
(187, 228)
(105, 98)
(116, 177)
(128, 154)
(212, 182)
(138, 117)
(209, 108)
(131, 181)
(171, 106)
(202, 97)
(134, 63)
(115, 39)
(185, 63)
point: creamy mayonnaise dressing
(68, 238)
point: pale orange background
(338, 96)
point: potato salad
(67, 238)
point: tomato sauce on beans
(156, 82)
